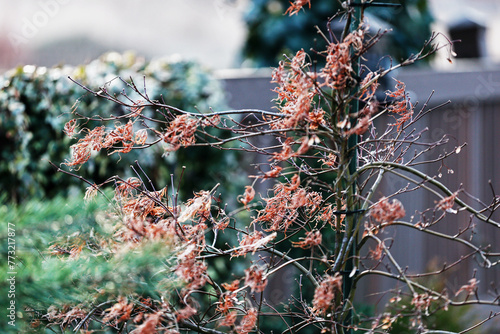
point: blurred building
(49, 32)
(476, 24)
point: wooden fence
(471, 117)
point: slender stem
(352, 201)
(197, 328)
(294, 263)
(395, 264)
(431, 180)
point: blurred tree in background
(271, 34)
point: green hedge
(36, 102)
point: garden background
(42, 205)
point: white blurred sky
(210, 31)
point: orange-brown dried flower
(282, 209)
(446, 204)
(222, 224)
(422, 302)
(119, 312)
(91, 192)
(255, 278)
(248, 195)
(136, 109)
(198, 206)
(286, 151)
(330, 160)
(337, 72)
(296, 6)
(233, 286)
(252, 242)
(211, 121)
(273, 173)
(191, 270)
(125, 188)
(385, 212)
(401, 105)
(149, 326)
(306, 143)
(294, 184)
(70, 128)
(226, 302)
(338, 68)
(376, 254)
(312, 238)
(361, 127)
(470, 288)
(229, 319)
(296, 90)
(141, 136)
(325, 293)
(123, 134)
(82, 150)
(248, 322)
(180, 132)
(145, 204)
(316, 117)
(186, 312)
(329, 215)
(368, 87)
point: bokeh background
(51, 32)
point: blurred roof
(483, 13)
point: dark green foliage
(271, 34)
(35, 103)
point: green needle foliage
(65, 255)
